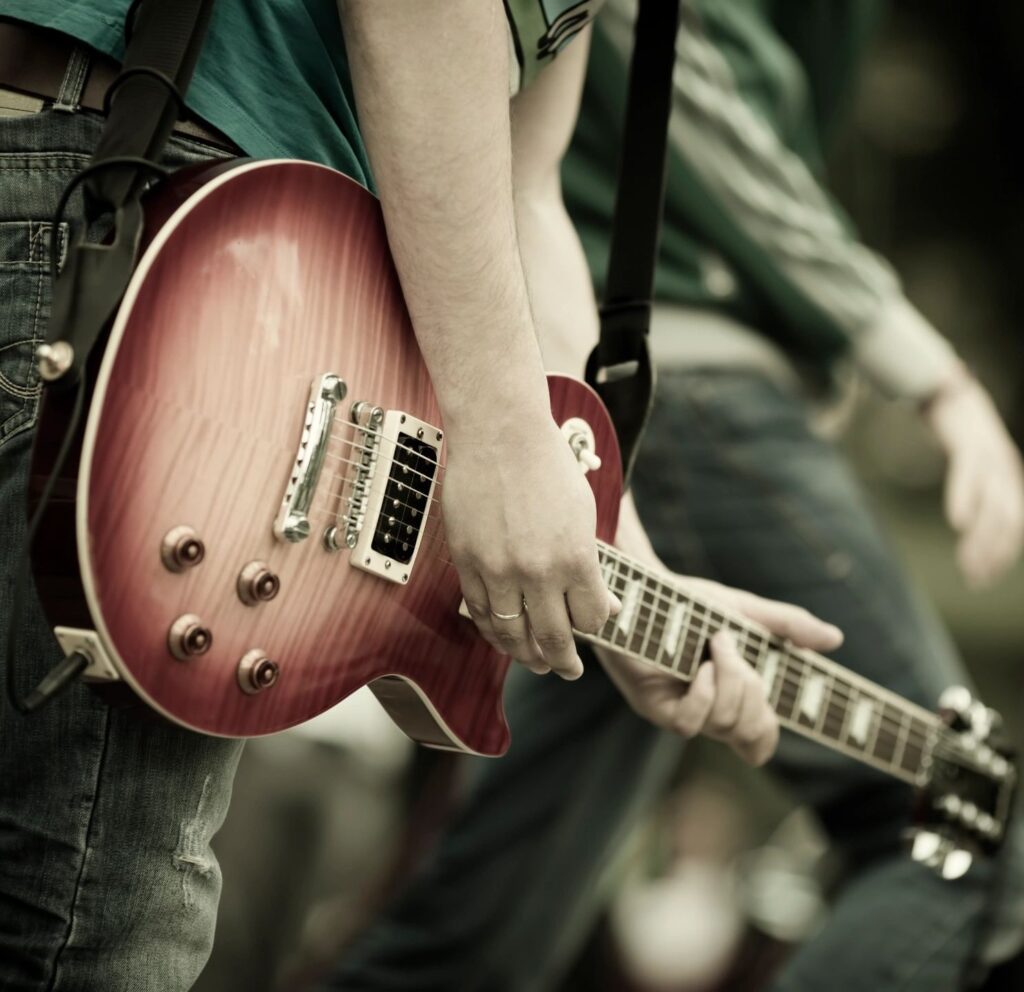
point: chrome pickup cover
(399, 497)
(292, 522)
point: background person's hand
(726, 700)
(521, 527)
(984, 495)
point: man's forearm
(431, 80)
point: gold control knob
(188, 638)
(257, 584)
(256, 671)
(181, 548)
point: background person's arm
(726, 700)
(431, 80)
(756, 201)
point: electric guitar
(249, 528)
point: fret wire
(779, 678)
(875, 716)
(826, 699)
(649, 625)
(789, 671)
(680, 649)
(924, 736)
(636, 578)
(702, 613)
(902, 734)
(621, 593)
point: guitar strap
(164, 38)
(141, 107)
(619, 368)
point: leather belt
(33, 60)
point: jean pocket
(24, 310)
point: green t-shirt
(748, 230)
(273, 74)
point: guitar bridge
(292, 521)
(392, 491)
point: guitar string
(371, 449)
(746, 633)
(880, 705)
(914, 736)
(705, 616)
(917, 734)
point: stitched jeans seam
(87, 839)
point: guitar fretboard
(810, 694)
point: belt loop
(69, 98)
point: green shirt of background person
(751, 235)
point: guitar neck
(661, 624)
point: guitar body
(268, 276)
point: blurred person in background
(765, 299)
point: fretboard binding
(803, 688)
(723, 617)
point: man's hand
(521, 521)
(726, 700)
(984, 481)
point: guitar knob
(590, 461)
(257, 584)
(181, 548)
(188, 638)
(257, 672)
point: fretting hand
(726, 700)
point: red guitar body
(256, 281)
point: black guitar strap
(142, 106)
(619, 368)
(164, 38)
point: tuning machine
(962, 712)
(937, 851)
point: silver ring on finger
(509, 616)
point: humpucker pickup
(393, 493)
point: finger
(989, 545)
(757, 730)
(730, 686)
(512, 628)
(589, 601)
(962, 494)
(552, 631)
(475, 595)
(795, 623)
(692, 710)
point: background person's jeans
(107, 880)
(731, 485)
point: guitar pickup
(396, 495)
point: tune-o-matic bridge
(391, 492)
(292, 522)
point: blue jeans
(107, 880)
(732, 485)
